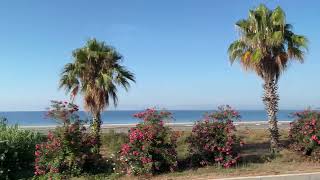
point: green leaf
(277, 38)
(256, 56)
(278, 17)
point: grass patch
(256, 159)
(111, 142)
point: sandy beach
(175, 126)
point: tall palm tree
(266, 46)
(95, 72)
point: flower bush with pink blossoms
(213, 140)
(305, 133)
(151, 146)
(68, 150)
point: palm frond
(266, 42)
(96, 72)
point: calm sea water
(33, 118)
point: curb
(301, 176)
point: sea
(38, 118)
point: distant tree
(95, 72)
(266, 46)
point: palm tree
(266, 46)
(95, 72)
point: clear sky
(177, 49)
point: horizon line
(285, 109)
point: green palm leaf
(95, 72)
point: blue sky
(177, 49)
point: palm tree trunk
(270, 100)
(96, 127)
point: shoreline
(123, 128)
(257, 123)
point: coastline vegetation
(16, 151)
(68, 151)
(214, 147)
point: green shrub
(16, 150)
(151, 146)
(68, 151)
(213, 140)
(305, 133)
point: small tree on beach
(266, 46)
(95, 72)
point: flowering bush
(151, 146)
(213, 140)
(305, 133)
(16, 150)
(63, 112)
(68, 150)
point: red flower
(125, 149)
(136, 134)
(135, 153)
(146, 160)
(37, 153)
(37, 146)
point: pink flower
(226, 165)
(135, 153)
(125, 149)
(146, 160)
(314, 137)
(136, 134)
(37, 153)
